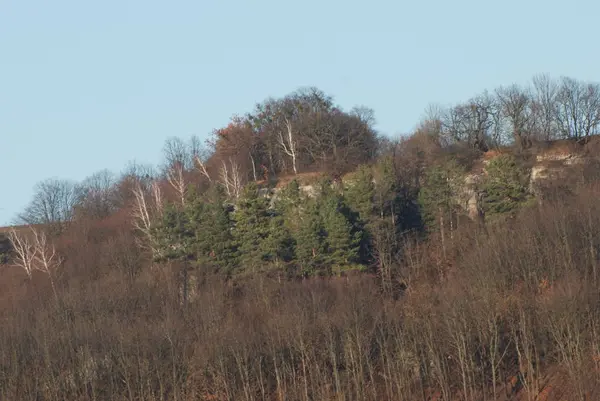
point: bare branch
(288, 145)
(24, 249)
(231, 178)
(201, 166)
(176, 177)
(144, 212)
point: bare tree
(52, 204)
(288, 144)
(34, 252)
(146, 209)
(231, 178)
(177, 180)
(515, 105)
(46, 257)
(176, 151)
(545, 91)
(577, 108)
(470, 122)
(98, 196)
(200, 154)
(24, 249)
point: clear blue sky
(87, 85)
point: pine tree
(505, 186)
(438, 193)
(252, 228)
(213, 241)
(310, 239)
(342, 236)
(437, 198)
(173, 235)
(360, 191)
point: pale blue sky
(87, 85)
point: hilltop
(299, 254)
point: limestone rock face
(471, 196)
(552, 167)
(547, 167)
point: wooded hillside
(298, 254)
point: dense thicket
(300, 256)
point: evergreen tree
(173, 235)
(437, 198)
(213, 241)
(505, 186)
(342, 238)
(310, 239)
(252, 228)
(279, 245)
(360, 192)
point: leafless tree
(176, 151)
(470, 122)
(200, 154)
(231, 178)
(34, 252)
(45, 256)
(545, 91)
(515, 105)
(98, 194)
(24, 249)
(52, 204)
(577, 108)
(177, 180)
(288, 143)
(147, 208)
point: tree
(288, 143)
(34, 252)
(24, 249)
(577, 108)
(251, 228)
(544, 104)
(437, 198)
(310, 239)
(98, 195)
(53, 204)
(173, 235)
(471, 122)
(147, 209)
(209, 220)
(505, 186)
(342, 236)
(516, 106)
(231, 178)
(178, 153)
(360, 191)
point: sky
(89, 85)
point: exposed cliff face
(553, 167)
(471, 196)
(549, 166)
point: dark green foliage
(505, 186)
(342, 236)
(173, 234)
(252, 229)
(310, 239)
(360, 192)
(199, 232)
(438, 194)
(213, 241)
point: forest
(299, 254)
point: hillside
(327, 264)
